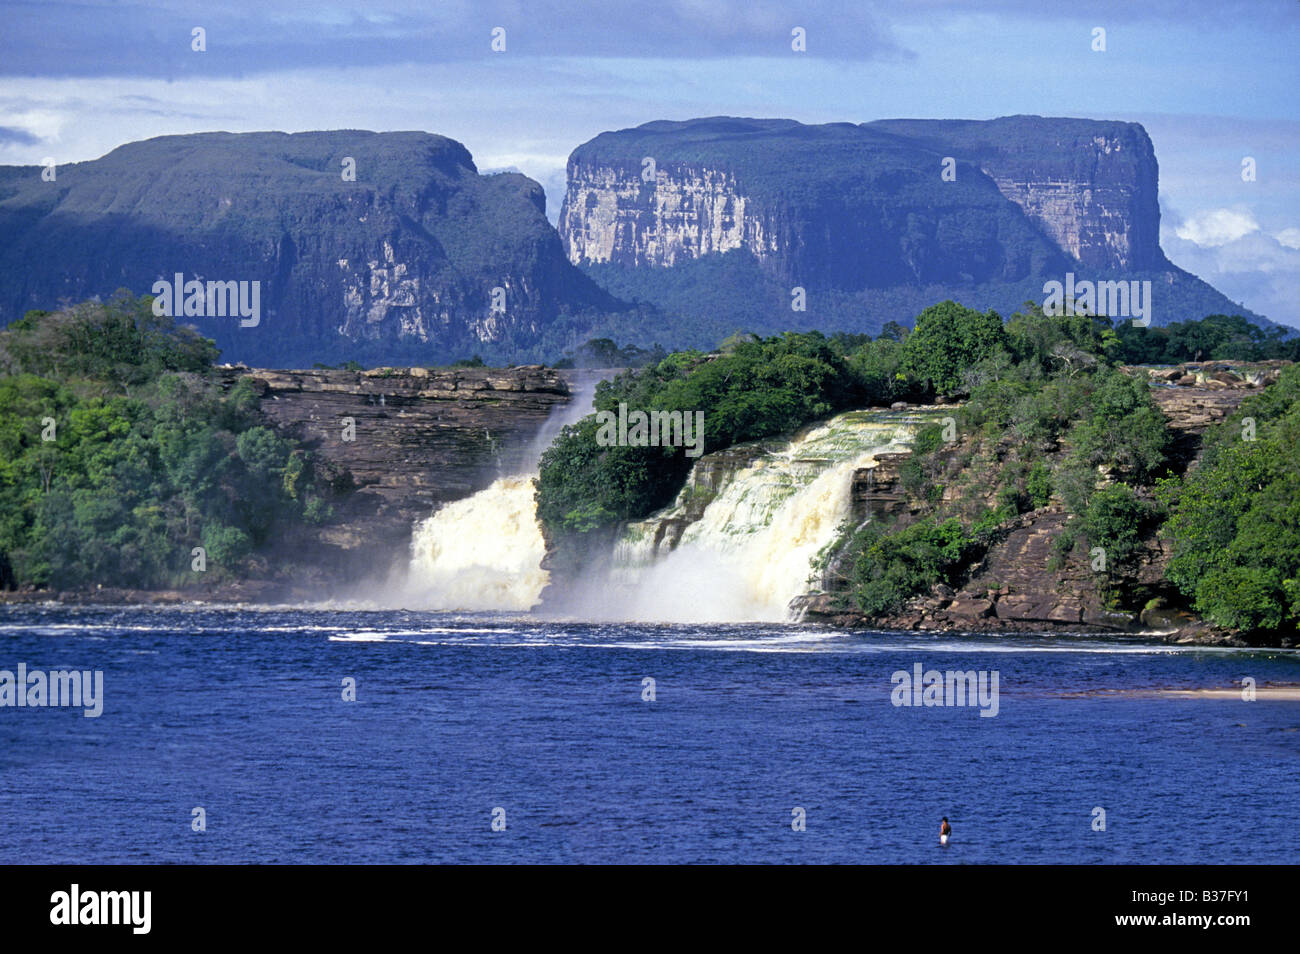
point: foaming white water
(751, 551)
(483, 552)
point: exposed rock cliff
(420, 438)
(837, 205)
(1091, 186)
(1013, 589)
(724, 217)
(420, 259)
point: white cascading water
(747, 556)
(751, 552)
(484, 552)
(481, 553)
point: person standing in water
(945, 831)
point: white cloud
(1289, 237)
(1216, 227)
(1257, 269)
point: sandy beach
(1262, 693)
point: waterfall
(481, 553)
(751, 550)
(738, 544)
(484, 552)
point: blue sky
(1212, 82)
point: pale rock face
(385, 290)
(491, 326)
(1093, 198)
(431, 436)
(399, 262)
(612, 215)
(1096, 220)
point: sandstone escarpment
(861, 206)
(1091, 186)
(610, 215)
(718, 221)
(418, 438)
(877, 493)
(835, 206)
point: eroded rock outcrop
(1090, 185)
(689, 215)
(1195, 395)
(1022, 584)
(836, 205)
(866, 205)
(419, 438)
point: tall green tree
(948, 340)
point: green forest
(120, 453)
(1046, 414)
(1235, 520)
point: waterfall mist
(752, 549)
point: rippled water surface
(240, 712)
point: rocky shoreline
(976, 614)
(232, 594)
(1011, 590)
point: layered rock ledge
(420, 437)
(1012, 589)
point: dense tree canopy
(120, 453)
(1213, 338)
(946, 341)
(1235, 520)
(759, 388)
